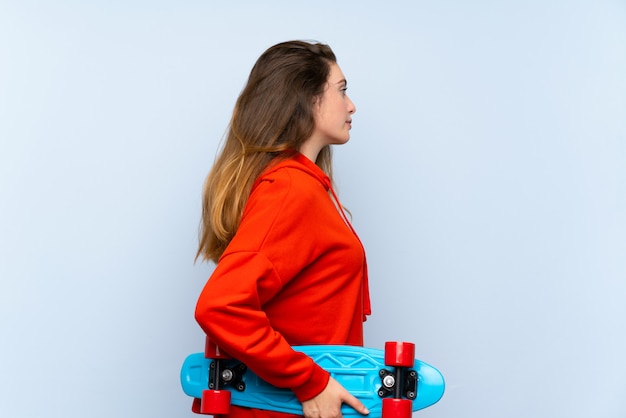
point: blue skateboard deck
(362, 371)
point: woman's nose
(351, 106)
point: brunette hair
(273, 114)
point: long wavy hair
(273, 114)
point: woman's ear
(317, 102)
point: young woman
(290, 268)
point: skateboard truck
(399, 387)
(215, 400)
(398, 384)
(221, 376)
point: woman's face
(333, 112)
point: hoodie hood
(298, 161)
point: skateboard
(391, 382)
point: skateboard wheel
(212, 351)
(399, 354)
(195, 406)
(397, 408)
(215, 402)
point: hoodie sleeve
(230, 312)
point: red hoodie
(294, 274)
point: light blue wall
(486, 175)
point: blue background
(486, 176)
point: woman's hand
(328, 403)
